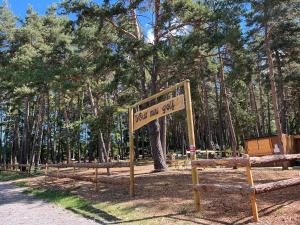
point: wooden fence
(73, 176)
(245, 189)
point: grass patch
(74, 203)
(104, 212)
(8, 176)
(21, 184)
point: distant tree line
(68, 77)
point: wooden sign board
(154, 112)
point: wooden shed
(297, 143)
(266, 145)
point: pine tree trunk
(40, 132)
(219, 108)
(262, 109)
(49, 131)
(207, 115)
(163, 134)
(25, 143)
(103, 157)
(68, 144)
(228, 113)
(273, 90)
(157, 153)
(154, 128)
(281, 95)
(254, 109)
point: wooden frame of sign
(139, 119)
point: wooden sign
(154, 112)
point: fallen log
(225, 188)
(272, 186)
(227, 162)
(91, 165)
(109, 180)
(70, 176)
(273, 158)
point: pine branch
(120, 29)
(175, 27)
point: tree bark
(49, 131)
(25, 143)
(163, 134)
(262, 109)
(228, 113)
(67, 124)
(281, 95)
(157, 153)
(273, 89)
(101, 144)
(207, 115)
(262, 188)
(254, 109)
(154, 128)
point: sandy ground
(168, 196)
(18, 208)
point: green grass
(8, 176)
(21, 184)
(104, 212)
(74, 203)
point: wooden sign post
(191, 134)
(139, 119)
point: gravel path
(18, 208)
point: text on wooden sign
(154, 112)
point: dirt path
(18, 208)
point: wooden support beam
(225, 188)
(96, 179)
(108, 180)
(192, 143)
(92, 165)
(74, 170)
(166, 91)
(46, 172)
(273, 158)
(227, 162)
(252, 195)
(131, 153)
(70, 176)
(272, 186)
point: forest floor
(166, 198)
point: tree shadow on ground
(176, 187)
(104, 217)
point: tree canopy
(66, 81)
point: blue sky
(19, 6)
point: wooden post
(131, 143)
(73, 175)
(190, 125)
(57, 174)
(46, 172)
(96, 178)
(252, 195)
